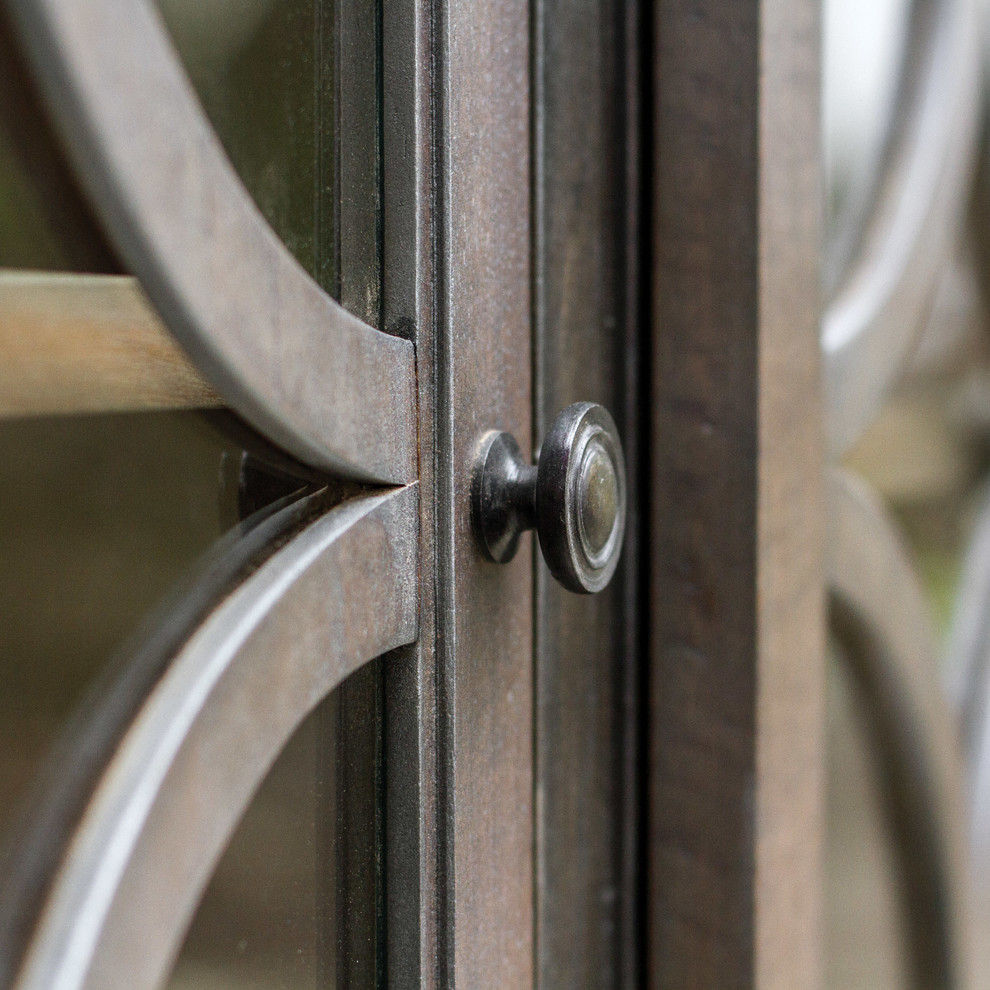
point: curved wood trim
(341, 593)
(315, 379)
(873, 320)
(880, 619)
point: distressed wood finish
(483, 373)
(587, 343)
(89, 343)
(736, 688)
(302, 369)
(414, 882)
(181, 777)
(790, 609)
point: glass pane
(295, 902)
(292, 90)
(102, 516)
(258, 924)
(254, 66)
(44, 222)
(99, 517)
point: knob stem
(503, 496)
(521, 492)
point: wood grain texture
(484, 373)
(736, 692)
(88, 343)
(587, 647)
(415, 882)
(304, 371)
(790, 517)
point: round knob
(575, 497)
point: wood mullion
(736, 681)
(485, 624)
(86, 344)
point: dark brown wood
(349, 152)
(736, 690)
(413, 878)
(586, 335)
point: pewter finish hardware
(575, 497)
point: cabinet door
(378, 233)
(392, 246)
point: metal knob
(575, 497)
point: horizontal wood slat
(88, 343)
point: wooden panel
(484, 372)
(586, 349)
(736, 688)
(88, 343)
(790, 668)
(414, 881)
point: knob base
(503, 496)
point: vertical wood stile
(737, 638)
(484, 373)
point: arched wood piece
(969, 687)
(341, 593)
(878, 310)
(880, 619)
(968, 650)
(312, 377)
